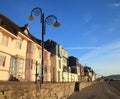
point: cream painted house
(12, 55)
(58, 60)
(20, 53)
(60, 72)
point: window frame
(3, 61)
(4, 39)
(18, 43)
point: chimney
(26, 29)
(26, 26)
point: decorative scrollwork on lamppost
(51, 19)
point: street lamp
(51, 19)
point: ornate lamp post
(51, 19)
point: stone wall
(85, 84)
(18, 90)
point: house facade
(12, 51)
(74, 64)
(89, 74)
(21, 56)
(20, 53)
(59, 58)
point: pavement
(100, 90)
(115, 84)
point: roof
(30, 36)
(9, 25)
(14, 28)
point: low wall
(18, 90)
(85, 84)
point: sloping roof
(9, 25)
(14, 28)
(30, 36)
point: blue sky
(90, 29)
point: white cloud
(81, 48)
(116, 4)
(104, 60)
(103, 50)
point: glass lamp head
(31, 18)
(56, 24)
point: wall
(18, 90)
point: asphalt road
(100, 90)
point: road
(100, 90)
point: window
(59, 63)
(17, 65)
(4, 40)
(18, 43)
(58, 75)
(2, 60)
(31, 47)
(31, 64)
(20, 62)
(13, 66)
(39, 71)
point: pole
(38, 11)
(43, 32)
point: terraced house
(21, 56)
(20, 53)
(59, 58)
(60, 69)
